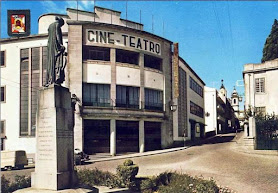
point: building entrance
(96, 136)
(127, 135)
(152, 136)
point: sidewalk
(221, 138)
(241, 147)
(99, 157)
(107, 157)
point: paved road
(218, 158)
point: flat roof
(187, 65)
(54, 14)
(10, 39)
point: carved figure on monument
(56, 61)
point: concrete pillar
(113, 76)
(141, 136)
(113, 137)
(142, 81)
(245, 130)
(252, 127)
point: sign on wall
(18, 23)
(120, 39)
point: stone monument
(54, 163)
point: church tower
(223, 92)
(235, 102)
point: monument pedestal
(55, 151)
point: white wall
(46, 20)
(210, 107)
(194, 97)
(268, 99)
(96, 73)
(154, 80)
(10, 77)
(127, 76)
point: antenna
(126, 13)
(152, 23)
(94, 11)
(163, 28)
(140, 17)
(111, 13)
(77, 10)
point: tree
(270, 51)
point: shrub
(169, 182)
(127, 173)
(20, 182)
(96, 177)
(148, 185)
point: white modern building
(134, 93)
(261, 91)
(221, 112)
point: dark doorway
(127, 135)
(96, 136)
(192, 126)
(152, 136)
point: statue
(56, 62)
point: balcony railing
(131, 104)
(100, 102)
(154, 106)
(134, 104)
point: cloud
(61, 6)
(88, 5)
(52, 7)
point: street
(218, 158)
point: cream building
(133, 94)
(261, 91)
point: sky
(215, 38)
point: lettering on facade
(119, 39)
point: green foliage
(270, 50)
(128, 162)
(96, 177)
(127, 173)
(20, 182)
(169, 182)
(148, 185)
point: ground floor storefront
(121, 136)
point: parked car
(80, 157)
(13, 159)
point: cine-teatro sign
(120, 39)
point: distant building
(134, 94)
(220, 116)
(261, 90)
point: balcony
(132, 104)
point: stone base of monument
(54, 168)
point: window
(96, 53)
(125, 56)
(3, 59)
(152, 62)
(96, 95)
(196, 110)
(196, 87)
(127, 97)
(260, 111)
(234, 101)
(260, 85)
(3, 94)
(153, 99)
